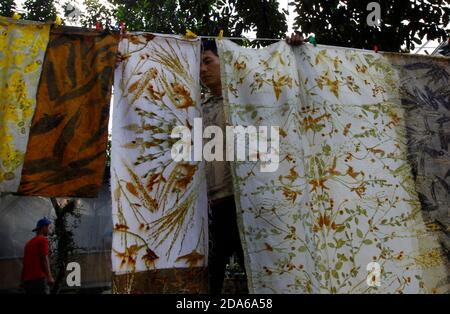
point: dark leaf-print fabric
(66, 151)
(425, 95)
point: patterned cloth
(22, 48)
(66, 151)
(340, 215)
(159, 206)
(425, 95)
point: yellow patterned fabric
(159, 206)
(341, 214)
(22, 49)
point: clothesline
(275, 39)
(254, 38)
(243, 38)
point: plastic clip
(122, 28)
(376, 48)
(190, 34)
(58, 21)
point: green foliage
(335, 22)
(7, 7)
(62, 242)
(203, 17)
(404, 22)
(95, 11)
(156, 16)
(40, 10)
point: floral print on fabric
(159, 205)
(22, 49)
(343, 197)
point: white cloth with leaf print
(159, 206)
(340, 215)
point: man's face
(46, 230)
(210, 70)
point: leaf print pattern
(425, 95)
(66, 152)
(159, 206)
(22, 49)
(343, 195)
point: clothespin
(98, 26)
(16, 16)
(312, 40)
(190, 34)
(376, 48)
(122, 27)
(58, 21)
(220, 37)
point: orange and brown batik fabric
(67, 145)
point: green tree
(40, 10)
(62, 240)
(263, 17)
(204, 17)
(403, 22)
(95, 12)
(234, 17)
(7, 8)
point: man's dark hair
(209, 45)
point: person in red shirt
(36, 274)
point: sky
(292, 15)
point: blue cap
(42, 223)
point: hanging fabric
(340, 214)
(425, 96)
(66, 151)
(22, 48)
(159, 205)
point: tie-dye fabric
(340, 215)
(66, 151)
(159, 205)
(425, 95)
(22, 49)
